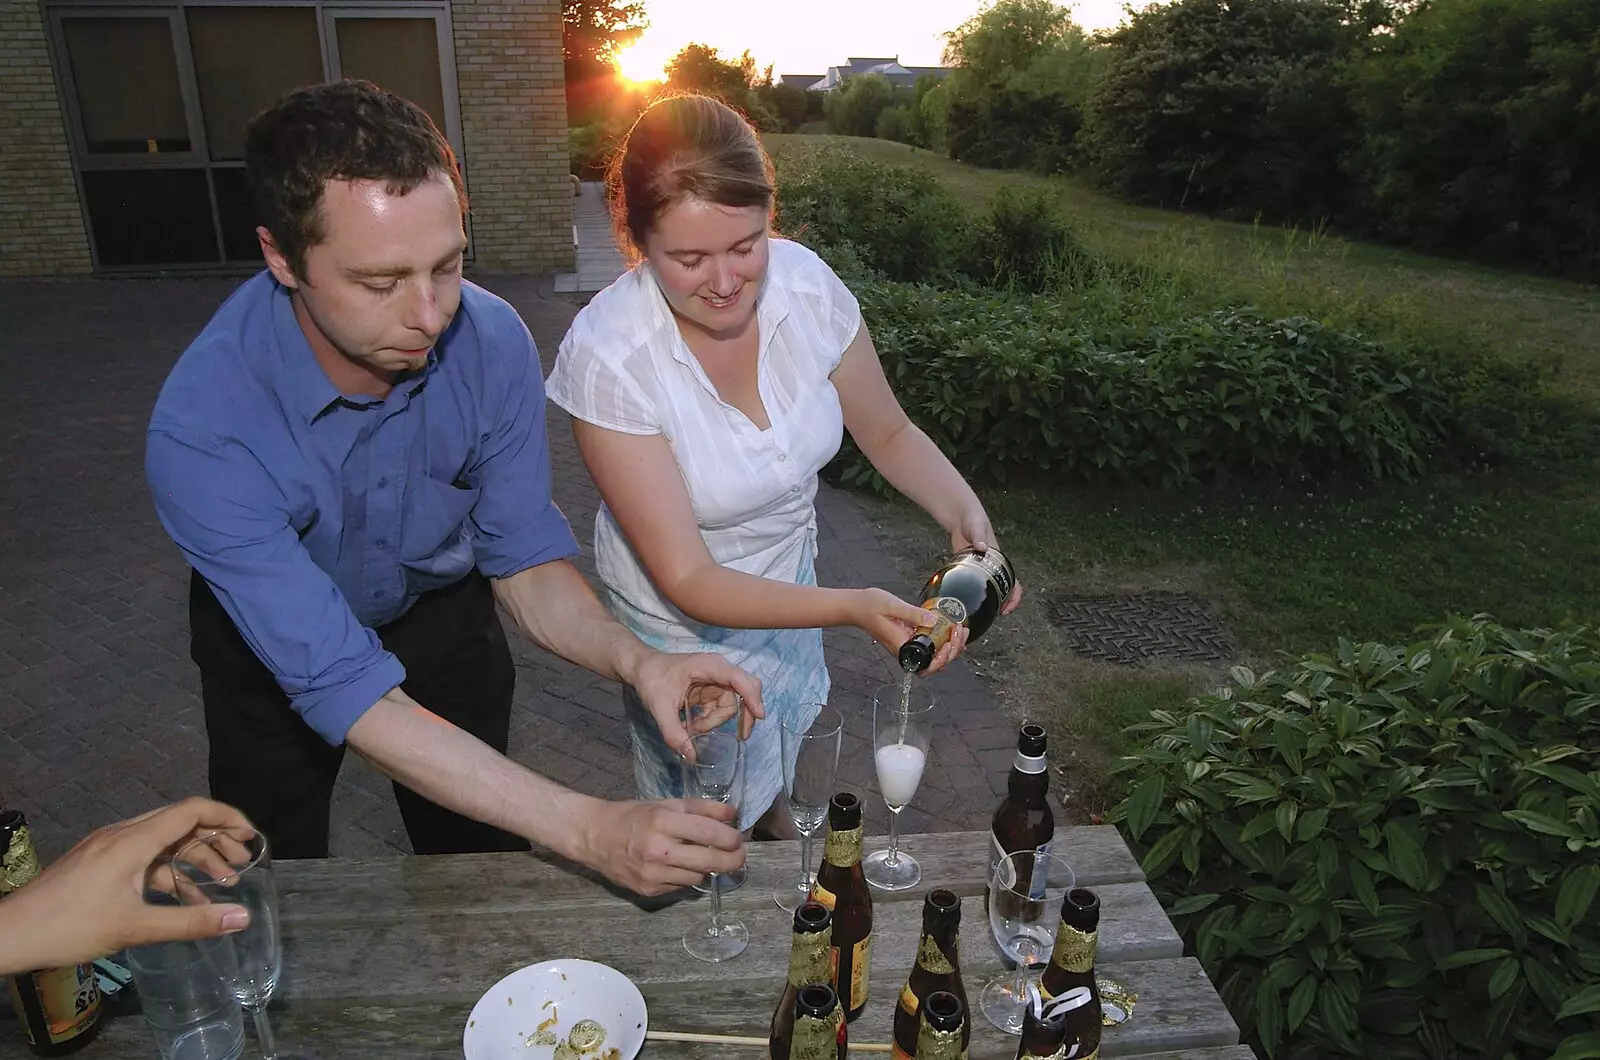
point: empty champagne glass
(902, 721)
(716, 772)
(1024, 912)
(225, 870)
(810, 766)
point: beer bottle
(938, 967)
(1072, 966)
(1023, 821)
(942, 1034)
(969, 590)
(810, 961)
(1044, 1030)
(819, 1032)
(60, 1008)
(842, 887)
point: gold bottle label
(69, 998)
(939, 1045)
(860, 966)
(823, 896)
(909, 1002)
(20, 863)
(932, 957)
(815, 1039)
(842, 848)
(810, 960)
(1075, 949)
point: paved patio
(99, 709)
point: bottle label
(823, 896)
(69, 998)
(931, 957)
(1041, 868)
(996, 567)
(810, 960)
(1075, 949)
(952, 613)
(860, 966)
(815, 1039)
(842, 848)
(897, 1053)
(909, 1002)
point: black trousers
(271, 765)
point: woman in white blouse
(708, 386)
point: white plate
(572, 990)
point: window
(159, 92)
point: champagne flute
(902, 720)
(219, 868)
(716, 772)
(1024, 911)
(810, 766)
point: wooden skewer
(736, 1039)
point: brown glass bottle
(810, 961)
(1072, 965)
(60, 1008)
(842, 887)
(938, 968)
(980, 582)
(1023, 821)
(819, 1032)
(942, 1033)
(1044, 1037)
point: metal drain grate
(1143, 627)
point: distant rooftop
(891, 68)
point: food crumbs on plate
(548, 1003)
(565, 1051)
(612, 1053)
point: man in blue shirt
(352, 457)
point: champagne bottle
(1072, 967)
(1044, 1030)
(1023, 820)
(60, 1008)
(810, 961)
(943, 1030)
(938, 968)
(842, 887)
(967, 591)
(819, 1032)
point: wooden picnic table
(386, 957)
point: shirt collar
(309, 387)
(772, 307)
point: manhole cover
(1143, 627)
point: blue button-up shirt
(315, 517)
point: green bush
(902, 221)
(1116, 385)
(1390, 851)
(1026, 241)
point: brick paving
(99, 704)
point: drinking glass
(220, 868)
(902, 721)
(715, 772)
(1024, 911)
(810, 766)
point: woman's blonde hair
(684, 147)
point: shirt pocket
(437, 526)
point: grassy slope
(1288, 571)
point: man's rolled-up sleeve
(232, 523)
(517, 525)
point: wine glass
(222, 869)
(902, 720)
(810, 766)
(1024, 912)
(715, 771)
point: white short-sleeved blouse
(624, 365)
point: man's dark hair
(345, 130)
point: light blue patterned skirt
(794, 682)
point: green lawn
(1289, 570)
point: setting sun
(640, 63)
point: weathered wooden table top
(386, 957)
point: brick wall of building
(41, 225)
(514, 133)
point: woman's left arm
(904, 455)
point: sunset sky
(808, 36)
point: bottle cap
(1031, 741)
(844, 811)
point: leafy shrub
(902, 221)
(1113, 386)
(1026, 241)
(1390, 851)
(897, 123)
(590, 148)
